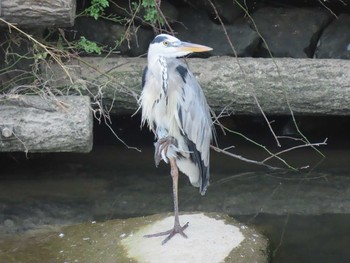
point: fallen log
(36, 124)
(33, 13)
(309, 86)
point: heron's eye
(165, 43)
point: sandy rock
(209, 240)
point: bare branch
(296, 147)
(239, 157)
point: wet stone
(8, 223)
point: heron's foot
(160, 145)
(177, 229)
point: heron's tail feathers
(198, 175)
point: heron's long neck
(158, 66)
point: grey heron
(175, 109)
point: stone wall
(278, 29)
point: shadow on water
(305, 215)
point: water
(306, 216)
(305, 238)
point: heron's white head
(164, 45)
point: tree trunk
(35, 124)
(34, 13)
(309, 86)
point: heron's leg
(177, 229)
(160, 145)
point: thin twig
(267, 121)
(296, 147)
(330, 10)
(46, 48)
(239, 157)
(262, 147)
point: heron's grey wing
(194, 118)
(194, 113)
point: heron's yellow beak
(190, 47)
